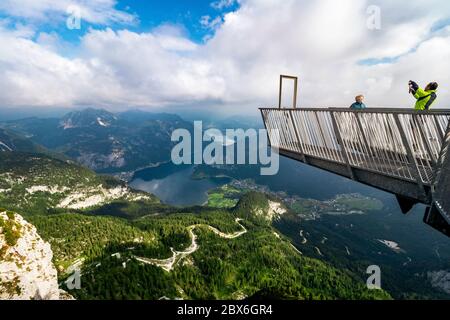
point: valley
(232, 253)
(209, 232)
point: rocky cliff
(26, 267)
(440, 279)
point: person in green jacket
(425, 97)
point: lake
(173, 184)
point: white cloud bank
(94, 11)
(321, 41)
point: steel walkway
(404, 152)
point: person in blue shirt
(359, 104)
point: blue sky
(149, 14)
(186, 13)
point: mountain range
(10, 141)
(98, 139)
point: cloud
(100, 12)
(152, 73)
(323, 42)
(222, 4)
(208, 23)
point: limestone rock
(26, 267)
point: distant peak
(86, 118)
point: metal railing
(399, 143)
(441, 183)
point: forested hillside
(130, 246)
(120, 260)
(38, 184)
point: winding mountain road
(169, 263)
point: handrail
(367, 110)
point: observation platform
(404, 152)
